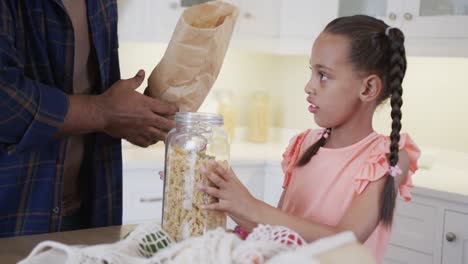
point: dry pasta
(182, 216)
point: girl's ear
(371, 88)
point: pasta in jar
(188, 150)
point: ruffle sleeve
(376, 166)
(291, 156)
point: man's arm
(32, 113)
(120, 112)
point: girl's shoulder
(376, 163)
(375, 143)
(301, 140)
(381, 145)
(292, 153)
(296, 146)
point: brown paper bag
(194, 56)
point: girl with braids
(346, 176)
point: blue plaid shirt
(36, 74)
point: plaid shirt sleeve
(30, 112)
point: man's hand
(140, 119)
(120, 112)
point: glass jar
(196, 139)
(226, 109)
(259, 117)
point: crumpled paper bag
(194, 55)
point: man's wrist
(90, 111)
(101, 111)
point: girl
(344, 177)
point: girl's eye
(323, 76)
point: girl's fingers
(213, 177)
(217, 168)
(213, 206)
(215, 192)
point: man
(63, 111)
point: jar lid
(192, 117)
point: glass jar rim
(195, 117)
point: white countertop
(241, 153)
(440, 170)
(443, 170)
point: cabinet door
(455, 247)
(387, 10)
(134, 20)
(401, 255)
(142, 194)
(166, 14)
(414, 226)
(252, 176)
(305, 19)
(274, 177)
(258, 18)
(436, 18)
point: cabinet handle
(248, 15)
(150, 199)
(450, 237)
(408, 16)
(392, 16)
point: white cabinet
(414, 232)
(387, 10)
(143, 189)
(430, 229)
(258, 19)
(439, 19)
(148, 20)
(142, 194)
(134, 20)
(252, 176)
(455, 245)
(417, 18)
(166, 14)
(415, 226)
(274, 177)
(305, 19)
(432, 28)
(402, 255)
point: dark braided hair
(375, 52)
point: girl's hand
(234, 198)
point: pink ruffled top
(325, 188)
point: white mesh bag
(149, 244)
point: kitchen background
(435, 87)
(263, 79)
(435, 92)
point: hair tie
(325, 132)
(395, 171)
(387, 31)
(241, 233)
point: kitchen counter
(15, 249)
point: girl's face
(334, 88)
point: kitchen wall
(435, 90)
(242, 74)
(434, 99)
